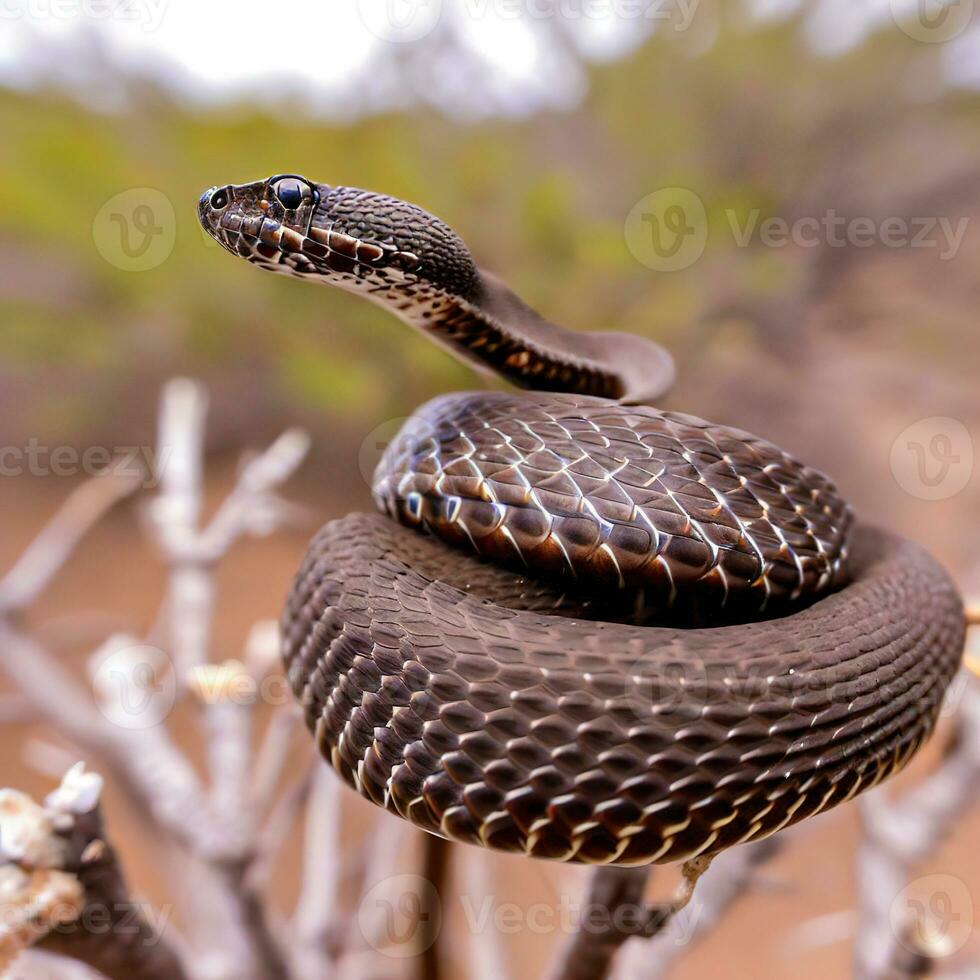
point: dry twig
(730, 878)
(49, 551)
(618, 894)
(66, 890)
(899, 835)
(124, 725)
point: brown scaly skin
(476, 704)
(540, 703)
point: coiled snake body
(630, 636)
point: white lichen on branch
(59, 876)
(36, 894)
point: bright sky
(314, 52)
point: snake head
(341, 236)
(265, 221)
(417, 268)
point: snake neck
(496, 332)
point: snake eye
(292, 192)
(218, 200)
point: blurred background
(785, 194)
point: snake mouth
(260, 239)
(327, 252)
(268, 243)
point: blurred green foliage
(754, 121)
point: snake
(579, 627)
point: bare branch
(436, 856)
(488, 957)
(252, 507)
(901, 834)
(390, 840)
(15, 709)
(282, 818)
(174, 515)
(589, 953)
(37, 964)
(49, 551)
(71, 891)
(729, 878)
(317, 906)
(145, 761)
(136, 683)
(272, 757)
(618, 894)
(228, 692)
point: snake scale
(626, 636)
